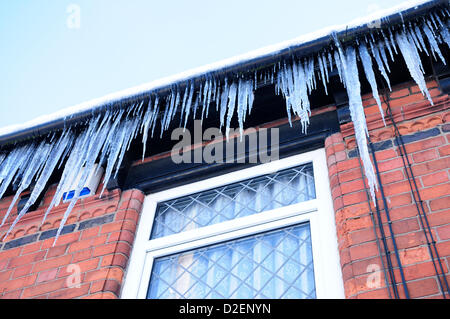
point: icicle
(433, 44)
(188, 104)
(420, 38)
(358, 116)
(413, 62)
(381, 49)
(38, 157)
(56, 155)
(339, 66)
(388, 45)
(241, 105)
(223, 103)
(146, 122)
(391, 37)
(205, 98)
(330, 60)
(196, 104)
(412, 34)
(230, 107)
(446, 35)
(366, 61)
(217, 96)
(376, 55)
(324, 63)
(322, 73)
(13, 164)
(155, 114)
(183, 104)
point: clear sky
(50, 59)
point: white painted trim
(318, 212)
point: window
(262, 232)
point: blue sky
(46, 66)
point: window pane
(275, 264)
(241, 199)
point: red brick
(431, 166)
(399, 93)
(425, 144)
(423, 287)
(422, 270)
(127, 237)
(396, 188)
(410, 240)
(18, 283)
(101, 295)
(359, 223)
(114, 260)
(57, 251)
(114, 273)
(386, 154)
(81, 245)
(430, 84)
(12, 295)
(352, 186)
(362, 236)
(52, 263)
(68, 238)
(414, 255)
(363, 251)
(82, 255)
(424, 156)
(5, 275)
(348, 164)
(413, 98)
(22, 271)
(440, 218)
(7, 254)
(349, 175)
(44, 288)
(70, 293)
(389, 165)
(404, 212)
(90, 232)
(444, 232)
(400, 200)
(440, 203)
(444, 150)
(436, 178)
(374, 294)
(30, 248)
(111, 227)
(26, 259)
(403, 226)
(105, 249)
(354, 198)
(435, 191)
(47, 275)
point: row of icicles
(108, 136)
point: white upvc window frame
(318, 212)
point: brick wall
(426, 133)
(94, 247)
(99, 233)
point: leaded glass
(275, 264)
(236, 200)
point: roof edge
(306, 44)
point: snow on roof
(196, 72)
